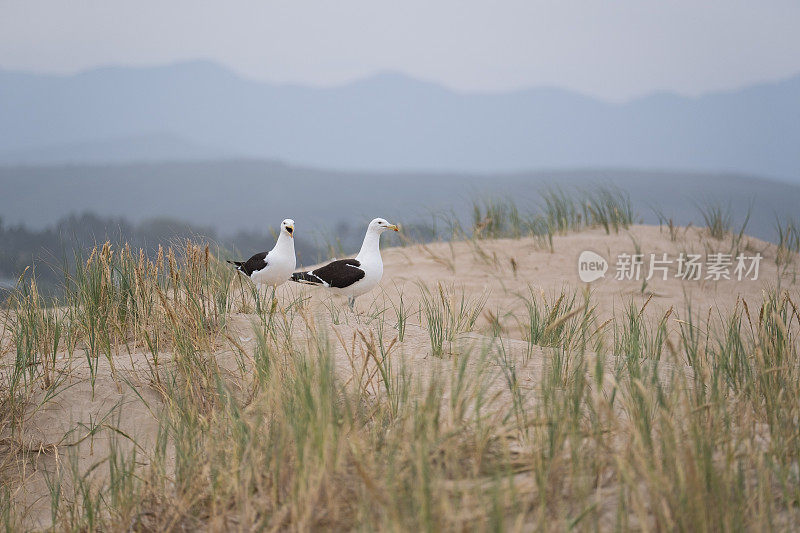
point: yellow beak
(291, 231)
(392, 226)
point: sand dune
(74, 425)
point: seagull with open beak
(276, 266)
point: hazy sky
(614, 49)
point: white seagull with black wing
(352, 277)
(273, 267)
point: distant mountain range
(151, 147)
(199, 111)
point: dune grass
(447, 312)
(788, 232)
(718, 219)
(683, 422)
(559, 211)
(562, 321)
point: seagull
(352, 277)
(273, 267)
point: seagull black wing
(254, 264)
(338, 274)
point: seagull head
(379, 225)
(287, 226)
